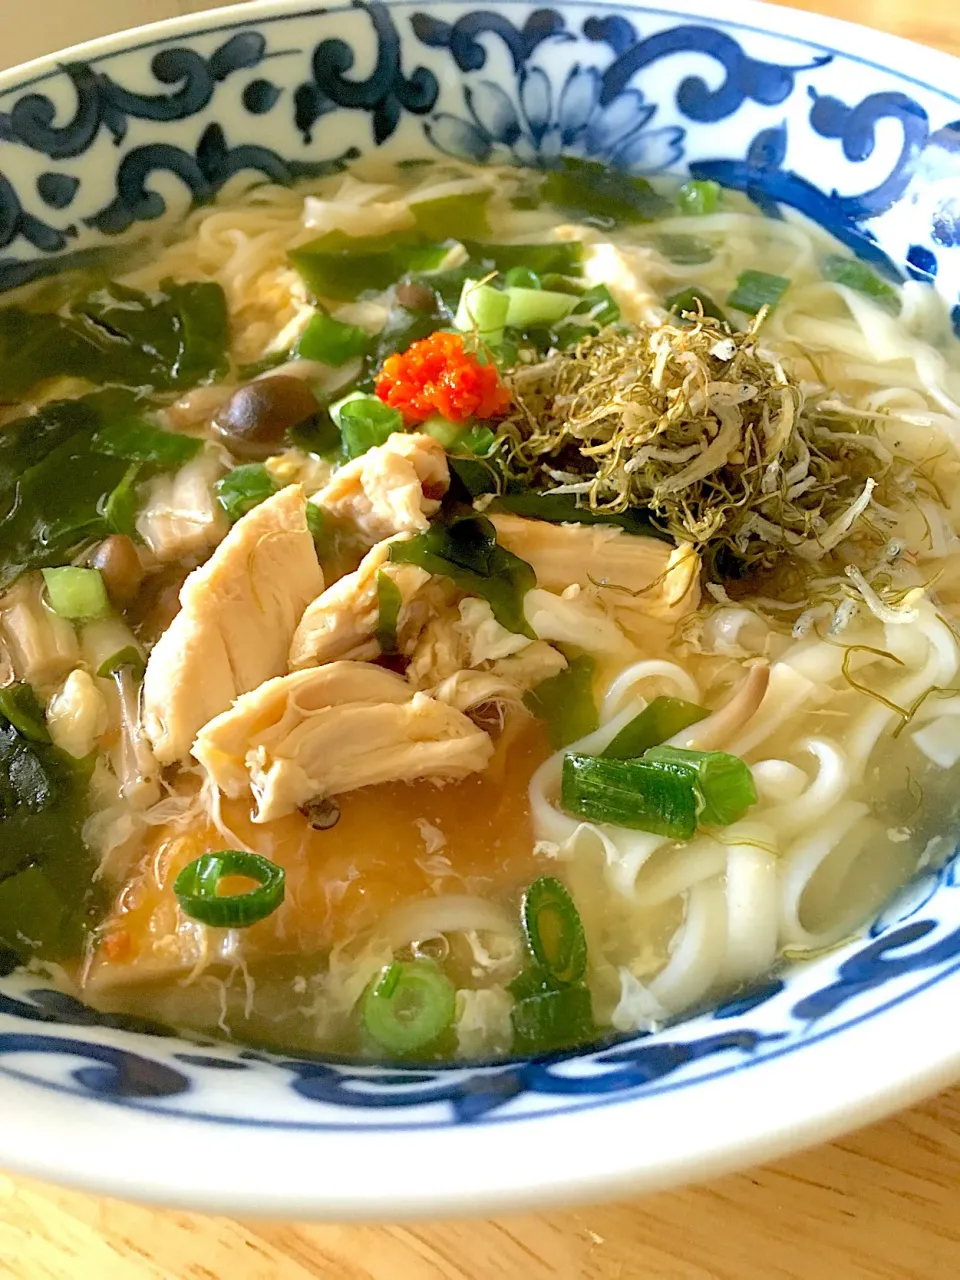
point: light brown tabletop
(882, 1203)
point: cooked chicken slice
(342, 622)
(626, 274)
(576, 617)
(335, 728)
(237, 617)
(180, 518)
(393, 488)
(639, 577)
(506, 681)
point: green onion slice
(554, 933)
(408, 1006)
(723, 782)
(197, 884)
(522, 278)
(365, 421)
(553, 1020)
(658, 721)
(695, 198)
(630, 793)
(76, 593)
(689, 251)
(756, 289)
(857, 275)
(390, 602)
(528, 308)
(331, 341)
(482, 308)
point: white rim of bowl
(636, 1144)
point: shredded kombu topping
(709, 432)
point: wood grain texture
(881, 1204)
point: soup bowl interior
(859, 132)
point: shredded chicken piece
(505, 681)
(393, 488)
(636, 575)
(332, 729)
(237, 617)
(342, 622)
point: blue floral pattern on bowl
(101, 147)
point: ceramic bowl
(859, 131)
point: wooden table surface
(882, 1203)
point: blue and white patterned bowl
(770, 101)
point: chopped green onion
(553, 1020)
(593, 191)
(756, 289)
(467, 552)
(408, 1006)
(599, 304)
(554, 933)
(857, 275)
(689, 251)
(365, 421)
(446, 433)
(658, 721)
(76, 593)
(465, 213)
(129, 656)
(561, 284)
(141, 442)
(244, 488)
(695, 198)
(629, 793)
(123, 503)
(389, 604)
(522, 278)
(684, 303)
(564, 257)
(331, 341)
(481, 308)
(529, 307)
(531, 981)
(197, 884)
(723, 782)
(342, 267)
(21, 707)
(477, 440)
(565, 702)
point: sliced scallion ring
(197, 884)
(408, 1005)
(553, 930)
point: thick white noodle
(752, 895)
(697, 951)
(802, 860)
